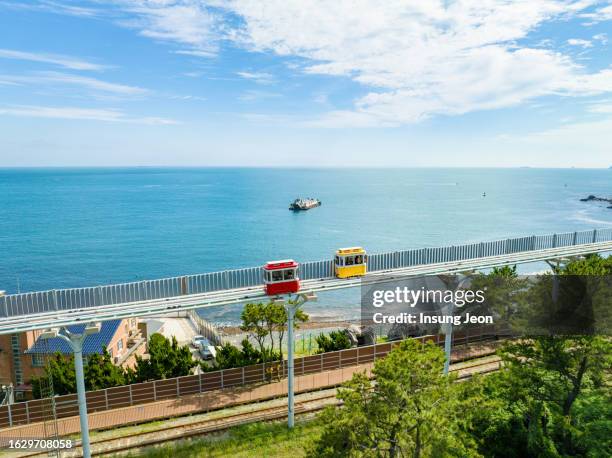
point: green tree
(276, 320)
(229, 356)
(254, 322)
(60, 369)
(166, 360)
(264, 321)
(551, 398)
(100, 372)
(592, 264)
(334, 341)
(411, 410)
(504, 271)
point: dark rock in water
(593, 198)
(610, 206)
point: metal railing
(206, 328)
(13, 305)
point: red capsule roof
(283, 264)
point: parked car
(196, 341)
(206, 349)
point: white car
(196, 341)
(207, 350)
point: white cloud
(600, 14)
(258, 77)
(252, 95)
(76, 80)
(418, 58)
(185, 22)
(422, 58)
(602, 38)
(91, 114)
(48, 6)
(55, 59)
(579, 42)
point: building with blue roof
(24, 356)
(93, 343)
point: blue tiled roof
(93, 343)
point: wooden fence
(140, 393)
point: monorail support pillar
(292, 307)
(290, 369)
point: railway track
(107, 446)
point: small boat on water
(300, 204)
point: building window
(119, 345)
(38, 360)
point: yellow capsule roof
(351, 250)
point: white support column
(77, 348)
(292, 307)
(290, 391)
(76, 344)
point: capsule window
(290, 274)
(359, 259)
(349, 260)
(277, 275)
(338, 260)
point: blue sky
(293, 83)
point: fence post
(10, 415)
(154, 390)
(574, 238)
(200, 383)
(131, 395)
(594, 235)
(106, 398)
(340, 359)
(27, 406)
(222, 378)
(243, 381)
(178, 390)
(554, 241)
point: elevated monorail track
(166, 305)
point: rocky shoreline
(593, 198)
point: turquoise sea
(69, 227)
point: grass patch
(271, 439)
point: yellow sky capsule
(350, 262)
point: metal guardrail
(13, 305)
(206, 328)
